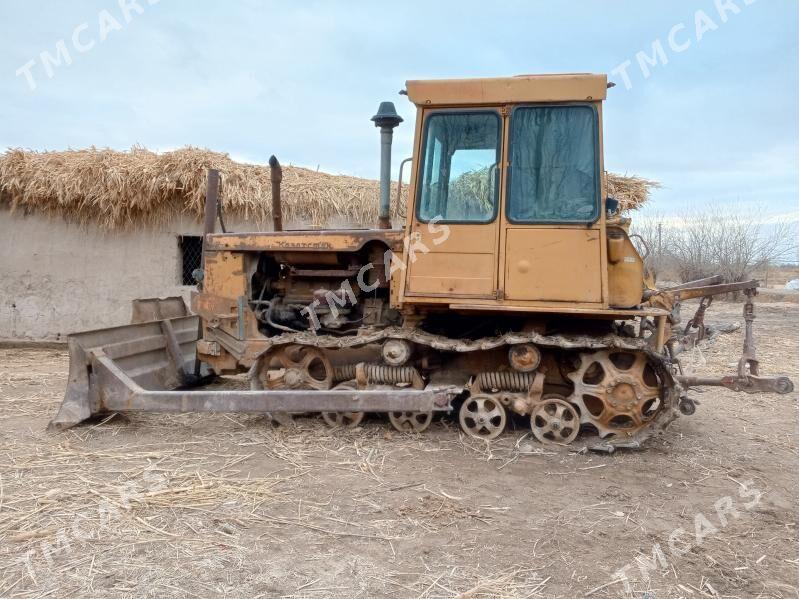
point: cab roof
(574, 87)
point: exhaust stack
(387, 119)
(211, 201)
(276, 177)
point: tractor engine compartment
(332, 292)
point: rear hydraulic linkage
(747, 378)
(698, 320)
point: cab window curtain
(553, 174)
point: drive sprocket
(291, 367)
(617, 392)
(295, 367)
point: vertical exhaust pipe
(211, 201)
(276, 177)
(209, 224)
(387, 119)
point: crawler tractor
(513, 290)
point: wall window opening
(191, 252)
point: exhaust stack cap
(387, 116)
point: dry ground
(203, 506)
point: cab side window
(554, 174)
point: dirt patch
(203, 506)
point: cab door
(552, 227)
(454, 234)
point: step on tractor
(513, 291)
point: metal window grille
(191, 252)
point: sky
(705, 104)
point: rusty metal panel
(548, 264)
(148, 309)
(225, 275)
(305, 241)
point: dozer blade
(157, 308)
(156, 355)
(147, 367)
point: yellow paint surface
(553, 265)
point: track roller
(554, 420)
(482, 416)
(343, 419)
(410, 422)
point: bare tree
(722, 239)
(651, 239)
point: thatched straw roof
(121, 190)
(632, 192)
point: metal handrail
(399, 184)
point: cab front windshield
(458, 172)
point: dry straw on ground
(123, 190)
(100, 510)
(228, 505)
